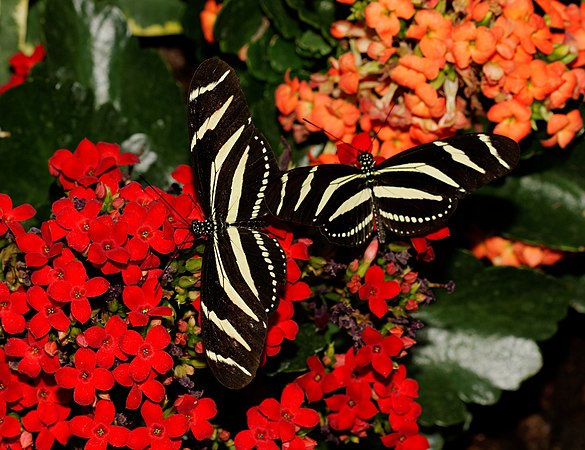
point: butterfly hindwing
(242, 266)
(326, 196)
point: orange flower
(569, 89)
(535, 80)
(425, 102)
(433, 30)
(429, 67)
(379, 52)
(287, 95)
(512, 118)
(346, 29)
(208, 16)
(393, 142)
(348, 74)
(336, 116)
(504, 252)
(472, 44)
(563, 127)
(384, 15)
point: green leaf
(153, 17)
(480, 340)
(13, 14)
(281, 17)
(317, 13)
(543, 204)
(91, 43)
(311, 44)
(237, 22)
(282, 55)
(258, 58)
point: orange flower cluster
(415, 74)
(504, 252)
(207, 16)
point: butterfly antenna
(165, 201)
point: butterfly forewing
(242, 266)
(411, 193)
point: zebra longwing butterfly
(411, 193)
(242, 265)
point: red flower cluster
(373, 388)
(274, 420)
(91, 319)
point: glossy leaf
(12, 24)
(242, 15)
(481, 339)
(153, 17)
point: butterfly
(411, 193)
(243, 266)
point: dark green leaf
(283, 56)
(543, 204)
(236, 23)
(281, 17)
(317, 13)
(481, 339)
(153, 17)
(258, 58)
(91, 44)
(311, 44)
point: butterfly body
(411, 193)
(242, 265)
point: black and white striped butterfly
(411, 193)
(242, 265)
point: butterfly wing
(416, 191)
(234, 306)
(242, 266)
(233, 160)
(333, 197)
(411, 193)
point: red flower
(288, 414)
(10, 385)
(106, 341)
(50, 399)
(198, 411)
(35, 354)
(39, 249)
(317, 382)
(348, 153)
(355, 404)
(378, 350)
(88, 164)
(48, 430)
(76, 287)
(12, 309)
(9, 215)
(261, 433)
(281, 327)
(47, 274)
(106, 249)
(159, 433)
(406, 438)
(144, 225)
(77, 222)
(149, 352)
(397, 395)
(150, 387)
(9, 426)
(21, 66)
(49, 314)
(99, 429)
(376, 291)
(299, 250)
(143, 302)
(85, 378)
